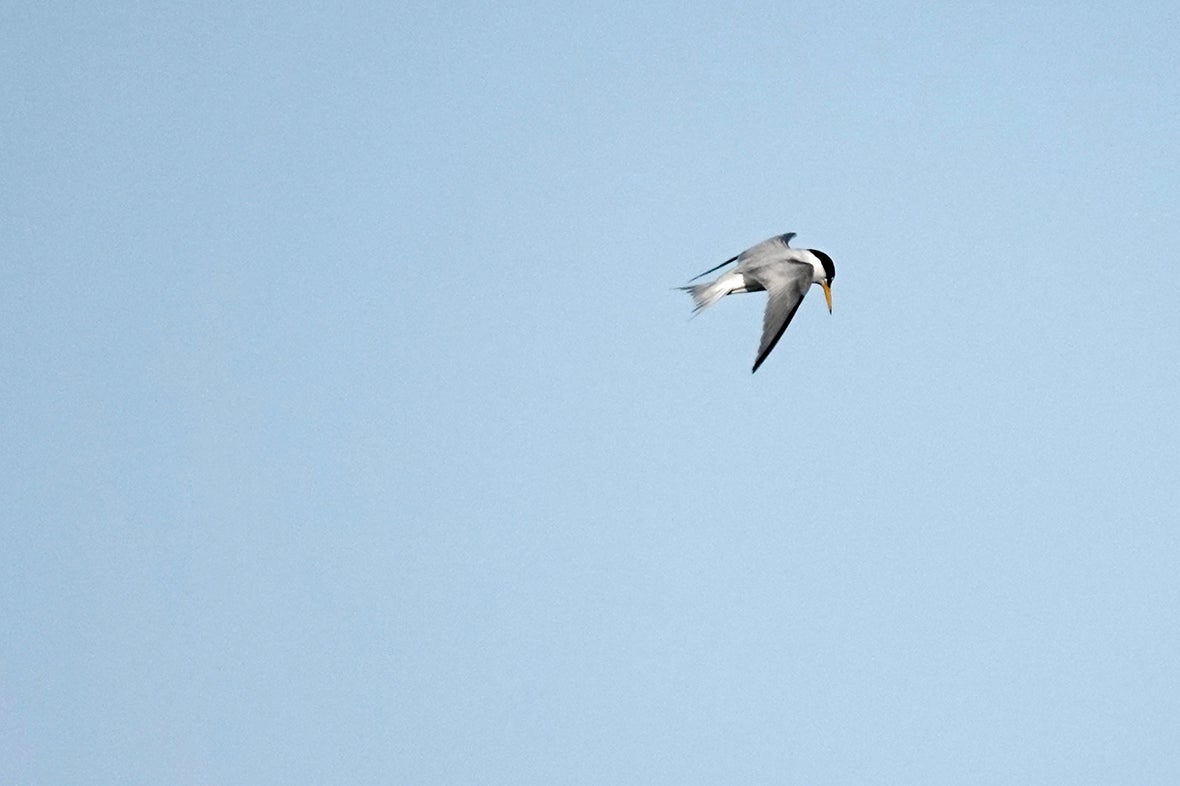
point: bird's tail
(705, 295)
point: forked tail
(705, 295)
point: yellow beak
(827, 294)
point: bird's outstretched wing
(713, 269)
(766, 246)
(785, 287)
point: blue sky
(354, 432)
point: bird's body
(785, 273)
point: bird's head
(829, 275)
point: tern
(785, 273)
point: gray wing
(785, 285)
(765, 250)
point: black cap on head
(826, 261)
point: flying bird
(785, 273)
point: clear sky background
(352, 431)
